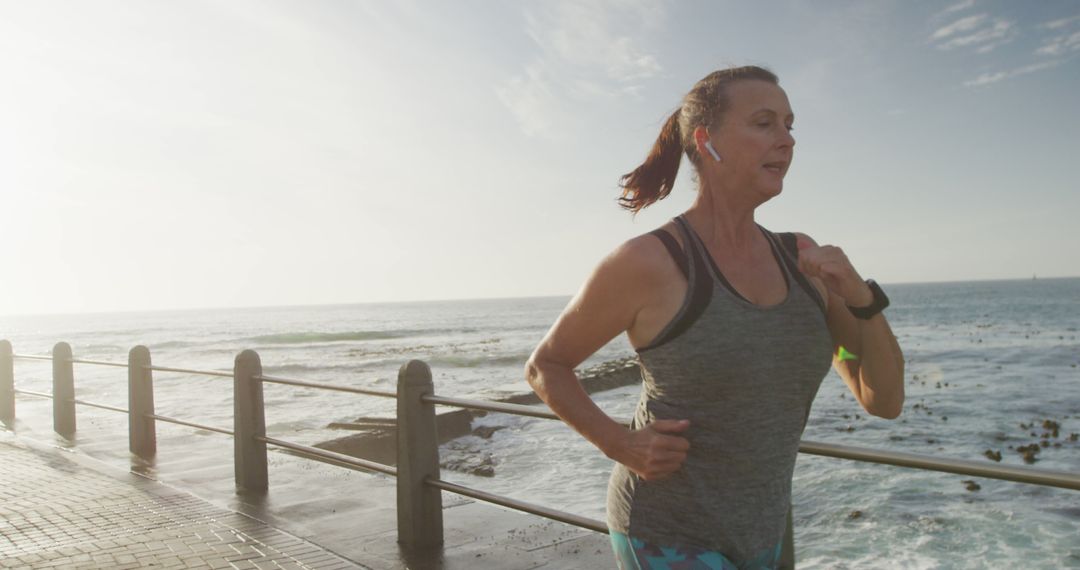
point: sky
(169, 155)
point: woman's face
(754, 140)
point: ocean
(989, 365)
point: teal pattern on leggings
(635, 554)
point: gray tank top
(745, 376)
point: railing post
(142, 429)
(63, 393)
(7, 383)
(419, 506)
(787, 551)
(249, 424)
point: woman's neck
(724, 223)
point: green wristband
(843, 354)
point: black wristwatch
(876, 306)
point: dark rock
(376, 438)
(1034, 448)
(854, 515)
(379, 444)
(486, 431)
(1029, 452)
(971, 485)
(991, 454)
(480, 464)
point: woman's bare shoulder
(642, 256)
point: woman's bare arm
(876, 375)
(606, 305)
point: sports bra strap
(790, 244)
(791, 257)
(673, 248)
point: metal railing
(419, 485)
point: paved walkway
(65, 509)
(59, 509)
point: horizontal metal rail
(303, 384)
(98, 362)
(102, 406)
(553, 514)
(516, 409)
(77, 401)
(189, 424)
(1018, 474)
(332, 456)
(190, 371)
(33, 393)
(31, 357)
(122, 365)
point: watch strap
(880, 302)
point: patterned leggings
(635, 554)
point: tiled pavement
(58, 510)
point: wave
(475, 360)
(174, 344)
(314, 370)
(312, 337)
(315, 337)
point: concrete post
(249, 423)
(142, 429)
(63, 390)
(419, 506)
(787, 551)
(7, 384)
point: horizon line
(439, 300)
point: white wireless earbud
(712, 151)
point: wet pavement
(62, 507)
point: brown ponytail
(654, 179)
(704, 105)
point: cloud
(582, 35)
(1060, 45)
(959, 6)
(529, 97)
(587, 52)
(1060, 23)
(1067, 39)
(989, 78)
(978, 32)
(962, 25)
(982, 33)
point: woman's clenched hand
(656, 450)
(831, 265)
